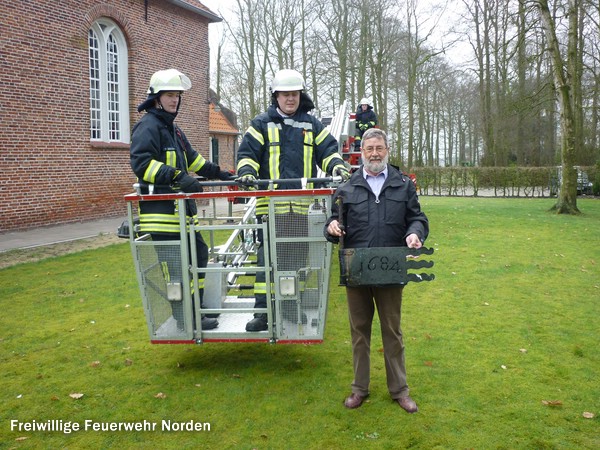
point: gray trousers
(361, 309)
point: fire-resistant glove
(186, 183)
(224, 175)
(247, 182)
(341, 171)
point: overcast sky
(221, 8)
(456, 54)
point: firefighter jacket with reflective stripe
(159, 151)
(365, 120)
(383, 221)
(276, 147)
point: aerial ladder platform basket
(297, 261)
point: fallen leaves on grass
(22, 438)
(588, 415)
(128, 362)
(552, 402)
(160, 395)
(75, 395)
(94, 363)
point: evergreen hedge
(496, 181)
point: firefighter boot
(259, 323)
(209, 324)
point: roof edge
(209, 15)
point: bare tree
(494, 107)
(563, 80)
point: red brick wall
(50, 172)
(227, 150)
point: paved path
(37, 237)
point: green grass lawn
(501, 351)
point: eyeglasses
(378, 149)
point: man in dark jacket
(379, 208)
(161, 156)
(282, 143)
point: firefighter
(365, 119)
(161, 155)
(285, 142)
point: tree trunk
(567, 194)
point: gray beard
(377, 166)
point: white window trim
(103, 28)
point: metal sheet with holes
(383, 266)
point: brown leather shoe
(354, 401)
(407, 404)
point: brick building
(72, 74)
(223, 135)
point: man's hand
(413, 241)
(186, 183)
(335, 228)
(247, 182)
(341, 171)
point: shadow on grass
(257, 357)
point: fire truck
(343, 127)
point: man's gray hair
(375, 133)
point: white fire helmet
(168, 80)
(365, 101)
(287, 80)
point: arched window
(109, 93)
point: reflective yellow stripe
(197, 164)
(152, 170)
(322, 135)
(260, 288)
(256, 135)
(274, 151)
(308, 137)
(262, 206)
(161, 223)
(158, 228)
(248, 162)
(168, 218)
(171, 158)
(299, 206)
(308, 154)
(328, 160)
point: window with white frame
(109, 93)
